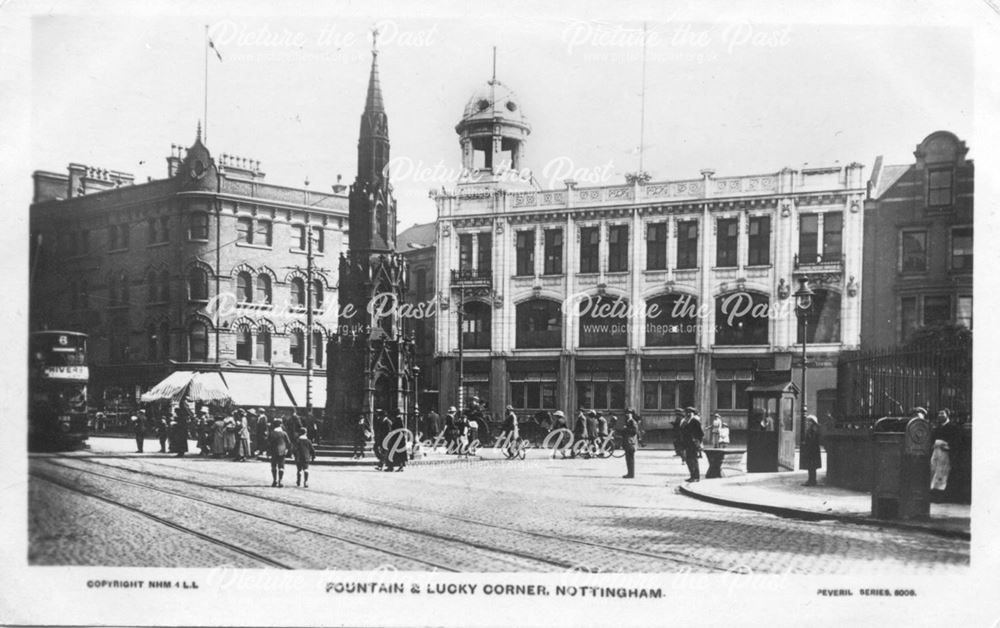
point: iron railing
(889, 382)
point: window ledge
(305, 252)
(617, 272)
(250, 245)
(157, 245)
(199, 240)
(760, 266)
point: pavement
(784, 495)
(780, 494)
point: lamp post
(803, 305)
(416, 407)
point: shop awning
(254, 389)
(296, 385)
(192, 385)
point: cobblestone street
(112, 508)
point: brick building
(557, 284)
(417, 245)
(141, 267)
(918, 243)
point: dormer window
(939, 187)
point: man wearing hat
(580, 434)
(263, 425)
(450, 429)
(592, 424)
(809, 456)
(691, 436)
(630, 440)
(279, 446)
(139, 429)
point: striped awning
(189, 385)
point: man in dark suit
(139, 429)
(592, 429)
(691, 436)
(630, 440)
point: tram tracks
(270, 562)
(438, 566)
(589, 546)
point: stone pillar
(567, 384)
(498, 385)
(633, 379)
(703, 382)
(447, 392)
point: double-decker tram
(57, 390)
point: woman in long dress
(229, 435)
(243, 444)
(218, 437)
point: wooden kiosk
(772, 423)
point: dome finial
(374, 40)
(199, 131)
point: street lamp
(416, 407)
(803, 305)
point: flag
(211, 44)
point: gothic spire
(373, 102)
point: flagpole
(206, 85)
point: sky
(741, 93)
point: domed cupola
(493, 132)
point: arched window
(198, 284)
(823, 318)
(296, 346)
(672, 321)
(165, 286)
(165, 340)
(263, 288)
(317, 294)
(539, 324)
(298, 292)
(742, 318)
(198, 341)
(318, 348)
(244, 288)
(476, 323)
(264, 346)
(603, 322)
(243, 345)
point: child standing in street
(304, 453)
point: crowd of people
(243, 434)
(234, 433)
